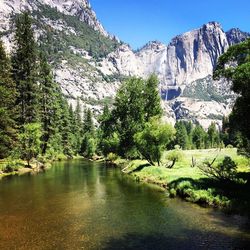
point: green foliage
(204, 89)
(198, 137)
(89, 146)
(234, 65)
(129, 112)
(191, 192)
(135, 103)
(89, 142)
(12, 165)
(152, 98)
(192, 184)
(52, 127)
(88, 124)
(181, 136)
(48, 99)
(213, 136)
(7, 108)
(153, 140)
(57, 43)
(223, 171)
(25, 70)
(175, 155)
(112, 157)
(30, 141)
(110, 144)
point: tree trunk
(174, 160)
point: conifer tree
(78, 112)
(7, 102)
(48, 102)
(78, 125)
(198, 137)
(234, 65)
(106, 122)
(88, 124)
(25, 70)
(152, 98)
(213, 135)
(89, 144)
(181, 135)
(129, 113)
(65, 128)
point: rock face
(80, 8)
(187, 63)
(188, 57)
(184, 66)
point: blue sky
(138, 21)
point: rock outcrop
(184, 66)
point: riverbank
(10, 167)
(19, 167)
(190, 183)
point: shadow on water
(193, 240)
(237, 193)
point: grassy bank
(19, 167)
(191, 184)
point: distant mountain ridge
(89, 63)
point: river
(83, 205)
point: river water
(83, 205)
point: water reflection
(82, 205)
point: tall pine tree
(181, 136)
(152, 98)
(25, 70)
(48, 91)
(7, 102)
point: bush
(174, 156)
(153, 140)
(29, 141)
(182, 188)
(172, 193)
(110, 144)
(223, 171)
(89, 145)
(12, 165)
(112, 157)
(132, 154)
(190, 192)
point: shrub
(112, 157)
(203, 197)
(174, 156)
(182, 188)
(30, 142)
(110, 144)
(153, 140)
(224, 171)
(172, 193)
(12, 165)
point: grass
(192, 185)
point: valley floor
(188, 182)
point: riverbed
(84, 205)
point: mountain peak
(212, 25)
(79, 8)
(153, 45)
(235, 35)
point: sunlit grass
(201, 188)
